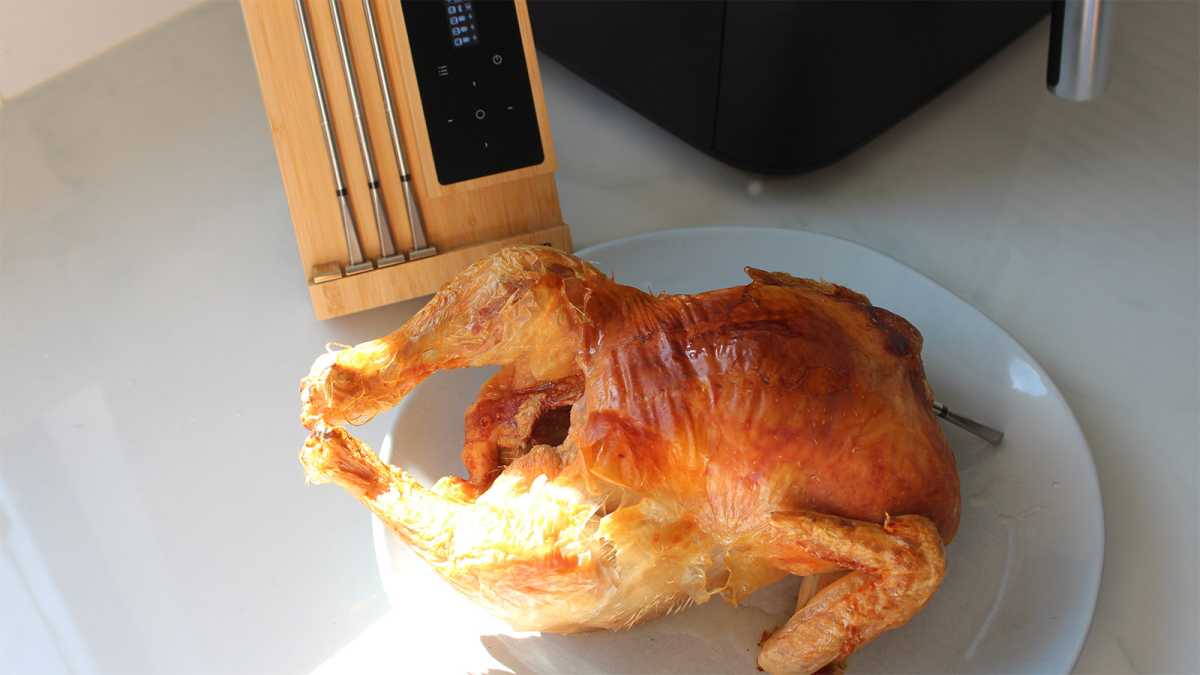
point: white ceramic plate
(1023, 570)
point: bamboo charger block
(465, 219)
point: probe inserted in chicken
(638, 453)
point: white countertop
(154, 324)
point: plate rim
(1095, 571)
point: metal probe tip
(992, 436)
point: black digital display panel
(464, 31)
(475, 93)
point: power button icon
(497, 59)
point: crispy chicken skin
(639, 453)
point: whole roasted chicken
(640, 453)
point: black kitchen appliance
(778, 87)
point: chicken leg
(528, 545)
(522, 304)
(896, 567)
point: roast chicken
(637, 453)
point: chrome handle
(1080, 44)
(353, 248)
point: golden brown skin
(716, 443)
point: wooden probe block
(465, 220)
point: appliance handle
(1080, 44)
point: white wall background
(42, 38)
